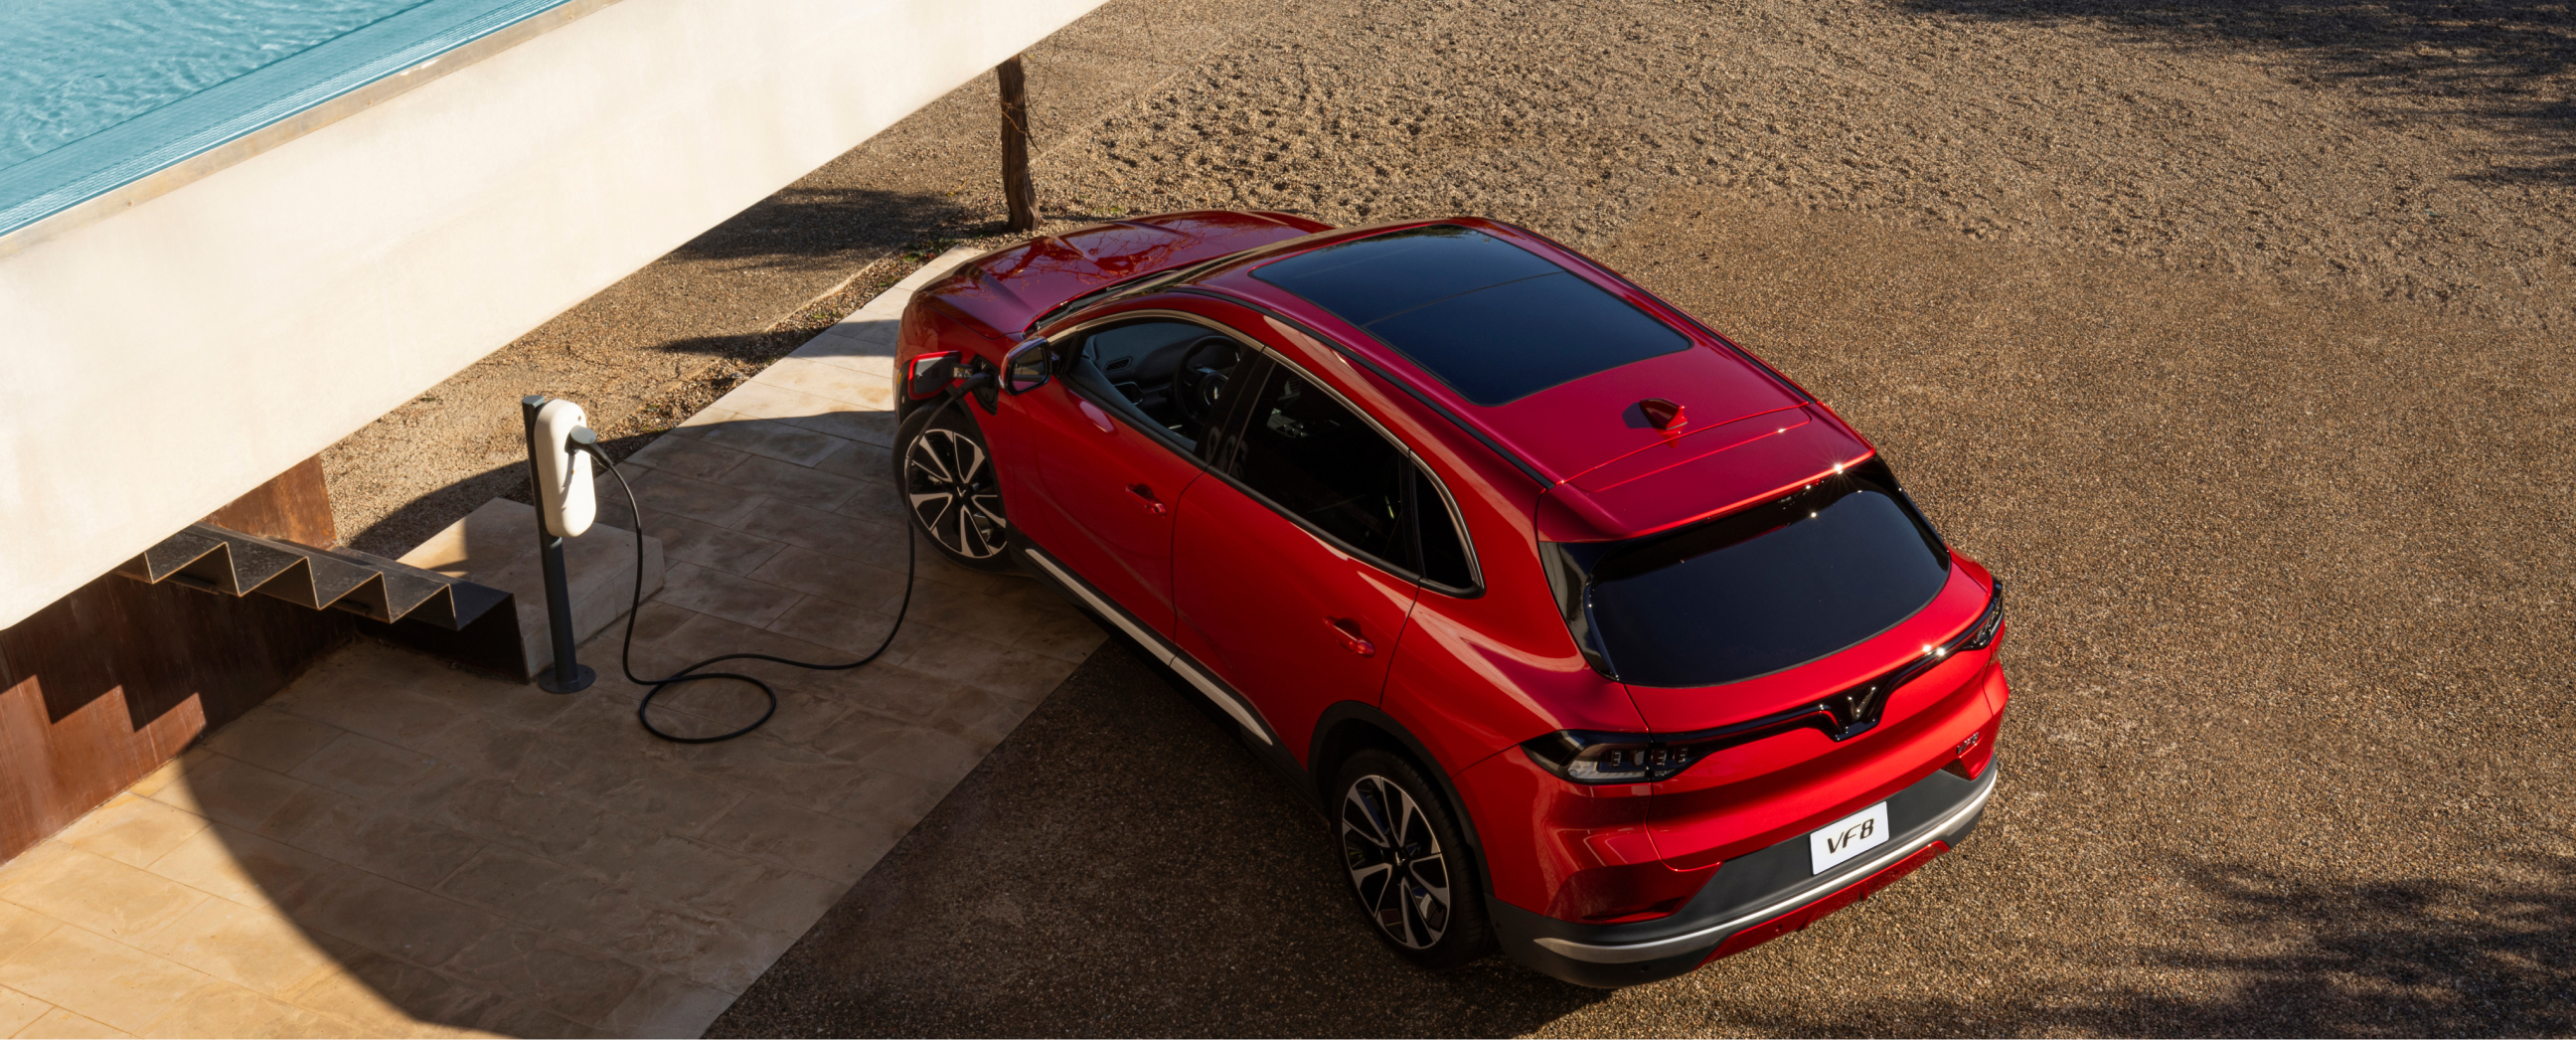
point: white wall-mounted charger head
(566, 498)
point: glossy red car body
(1595, 883)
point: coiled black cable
(690, 674)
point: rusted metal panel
(295, 507)
(104, 685)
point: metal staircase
(215, 559)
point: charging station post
(567, 675)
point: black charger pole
(566, 675)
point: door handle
(1152, 505)
(1348, 631)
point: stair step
(317, 581)
(228, 562)
(414, 591)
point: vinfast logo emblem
(1857, 709)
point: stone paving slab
(496, 545)
(396, 847)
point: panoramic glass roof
(1494, 321)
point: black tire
(1420, 890)
(943, 471)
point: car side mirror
(1028, 366)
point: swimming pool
(97, 94)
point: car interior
(1173, 373)
(1315, 458)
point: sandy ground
(2229, 332)
(2290, 596)
(2411, 150)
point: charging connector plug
(581, 439)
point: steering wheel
(1197, 384)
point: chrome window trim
(1344, 351)
(1475, 570)
(1247, 343)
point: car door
(1114, 474)
(1292, 571)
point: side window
(1312, 457)
(1173, 374)
(1444, 556)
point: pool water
(71, 68)
(97, 93)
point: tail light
(1982, 634)
(1609, 758)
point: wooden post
(1018, 191)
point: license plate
(1848, 837)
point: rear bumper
(1752, 895)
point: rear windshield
(1768, 588)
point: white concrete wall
(160, 361)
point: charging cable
(583, 439)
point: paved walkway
(396, 847)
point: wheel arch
(1351, 726)
(962, 412)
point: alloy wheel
(948, 481)
(1396, 862)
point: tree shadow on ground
(2506, 64)
(2459, 956)
(817, 227)
(2297, 955)
(822, 228)
(920, 245)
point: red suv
(1595, 637)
